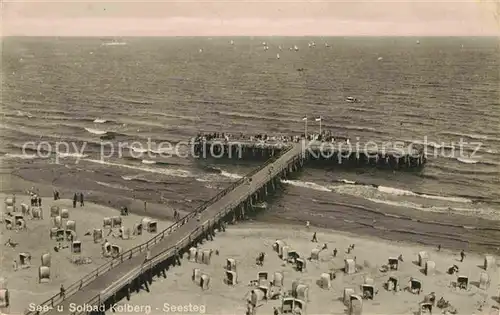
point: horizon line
(249, 36)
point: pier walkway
(100, 286)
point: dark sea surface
(169, 89)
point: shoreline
(65, 265)
(115, 199)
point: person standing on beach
(314, 239)
(335, 252)
(439, 247)
(75, 199)
(39, 201)
(145, 209)
(62, 292)
(462, 256)
(81, 199)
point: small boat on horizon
(277, 56)
(295, 48)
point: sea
(442, 92)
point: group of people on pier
(326, 136)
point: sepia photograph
(250, 157)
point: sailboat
(418, 42)
(266, 47)
(201, 50)
(232, 42)
(277, 56)
(295, 48)
(326, 45)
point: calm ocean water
(169, 89)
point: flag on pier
(305, 126)
(318, 119)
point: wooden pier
(129, 272)
(341, 154)
(115, 280)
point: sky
(251, 18)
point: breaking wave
(466, 161)
(470, 136)
(382, 189)
(116, 186)
(19, 156)
(96, 131)
(72, 155)
(230, 175)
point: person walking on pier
(314, 239)
(62, 292)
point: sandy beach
(23, 284)
(243, 242)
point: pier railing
(135, 251)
